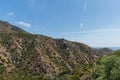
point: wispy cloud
(81, 25)
(93, 31)
(104, 30)
(69, 33)
(10, 14)
(85, 6)
(22, 23)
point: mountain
(36, 56)
(105, 51)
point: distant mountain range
(105, 50)
(33, 57)
(112, 48)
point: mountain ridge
(40, 56)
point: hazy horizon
(95, 23)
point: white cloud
(22, 23)
(81, 25)
(85, 5)
(10, 14)
(107, 30)
(103, 30)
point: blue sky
(94, 22)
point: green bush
(109, 68)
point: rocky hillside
(38, 56)
(105, 51)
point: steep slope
(40, 56)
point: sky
(93, 22)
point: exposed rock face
(38, 55)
